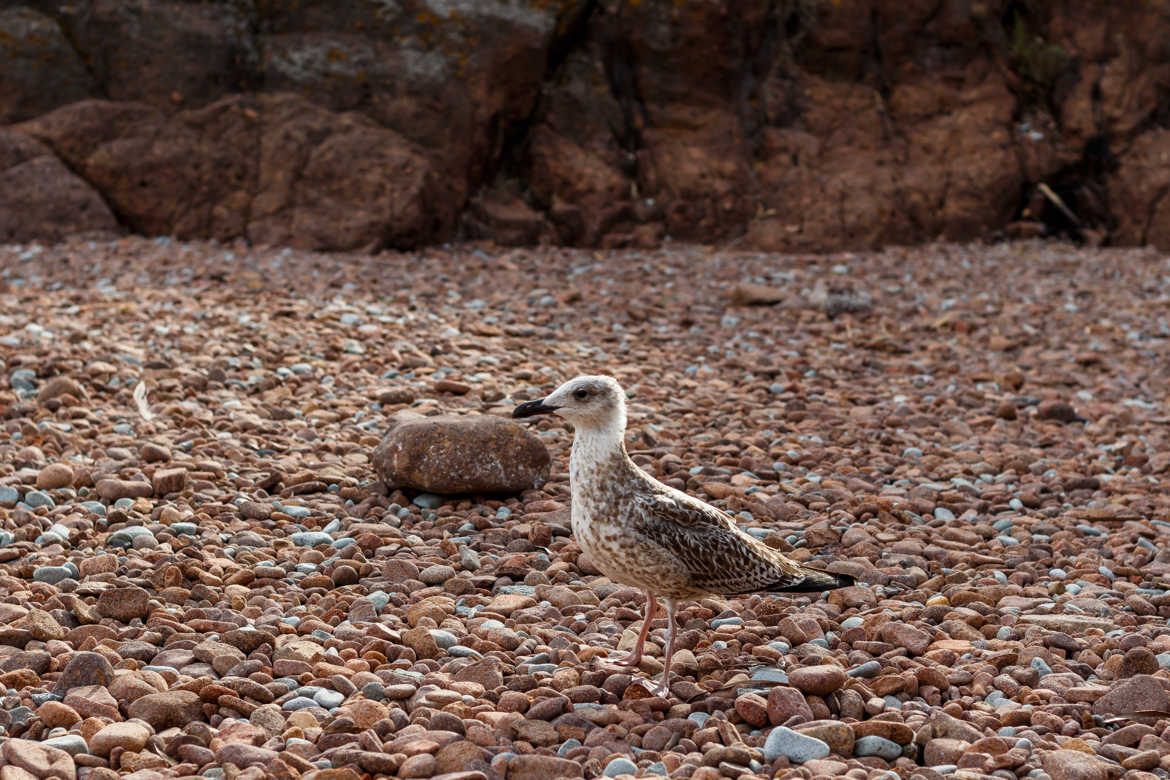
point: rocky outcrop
(789, 125)
(40, 198)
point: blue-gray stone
(59, 530)
(1041, 666)
(1104, 571)
(188, 529)
(1003, 633)
(51, 574)
(944, 514)
(23, 380)
(1006, 731)
(727, 621)
(699, 717)
(374, 691)
(6, 538)
(874, 745)
(329, 699)
(159, 668)
(912, 452)
(124, 537)
(124, 503)
(73, 744)
(620, 766)
(36, 498)
(443, 639)
(523, 590)
(572, 743)
(1163, 660)
(770, 674)
(867, 669)
(797, 748)
(333, 526)
(296, 512)
(9, 495)
(503, 513)
(311, 538)
(94, 507)
(298, 703)
(463, 651)
(20, 715)
(1058, 574)
(427, 501)
(342, 543)
(541, 668)
(657, 768)
(379, 599)
(852, 622)
(1016, 504)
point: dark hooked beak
(532, 408)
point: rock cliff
(789, 125)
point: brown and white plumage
(643, 533)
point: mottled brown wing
(716, 555)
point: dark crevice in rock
(1083, 189)
(618, 59)
(120, 218)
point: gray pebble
(328, 699)
(298, 703)
(874, 745)
(36, 498)
(468, 559)
(797, 748)
(444, 639)
(728, 621)
(427, 501)
(463, 651)
(620, 766)
(311, 538)
(374, 691)
(770, 674)
(944, 514)
(52, 574)
(73, 744)
(9, 495)
(867, 669)
(124, 537)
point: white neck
(593, 443)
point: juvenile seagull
(643, 533)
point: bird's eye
(581, 394)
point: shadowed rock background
(789, 125)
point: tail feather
(814, 581)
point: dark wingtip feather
(814, 581)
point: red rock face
(785, 126)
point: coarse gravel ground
(206, 580)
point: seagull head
(586, 401)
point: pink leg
(663, 688)
(635, 656)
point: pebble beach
(201, 574)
